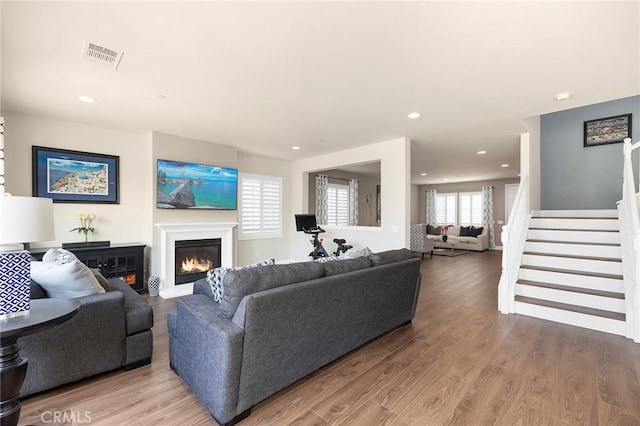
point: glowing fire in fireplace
(193, 265)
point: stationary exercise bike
(342, 246)
(307, 224)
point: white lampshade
(25, 220)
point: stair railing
(514, 237)
(630, 243)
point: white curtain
(432, 206)
(353, 202)
(487, 213)
(322, 199)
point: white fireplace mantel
(172, 232)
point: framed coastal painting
(607, 130)
(183, 185)
(74, 176)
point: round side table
(43, 314)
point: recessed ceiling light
(295, 148)
(563, 96)
(504, 165)
(87, 99)
(423, 174)
(414, 115)
(482, 152)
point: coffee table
(43, 314)
(449, 249)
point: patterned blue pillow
(215, 277)
(328, 259)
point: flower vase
(85, 236)
(444, 238)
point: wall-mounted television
(183, 185)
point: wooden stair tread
(573, 230)
(573, 272)
(581, 290)
(572, 256)
(573, 243)
(576, 217)
(572, 308)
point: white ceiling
(325, 75)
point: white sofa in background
(479, 243)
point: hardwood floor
(459, 362)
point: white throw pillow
(58, 255)
(65, 280)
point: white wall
(395, 170)
(530, 160)
(127, 222)
(250, 251)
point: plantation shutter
(471, 208)
(446, 209)
(338, 205)
(260, 207)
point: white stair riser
(586, 224)
(574, 236)
(572, 298)
(588, 265)
(606, 325)
(576, 213)
(613, 252)
(573, 280)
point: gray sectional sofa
(278, 323)
(111, 330)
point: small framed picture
(607, 130)
(74, 176)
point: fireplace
(193, 258)
(164, 266)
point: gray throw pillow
(476, 232)
(465, 231)
(104, 283)
(434, 230)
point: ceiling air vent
(100, 54)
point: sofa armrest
(67, 352)
(201, 286)
(209, 354)
(139, 313)
(483, 241)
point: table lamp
(22, 220)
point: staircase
(571, 270)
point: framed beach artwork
(182, 185)
(74, 176)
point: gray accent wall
(575, 177)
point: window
(260, 207)
(337, 204)
(446, 209)
(470, 208)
